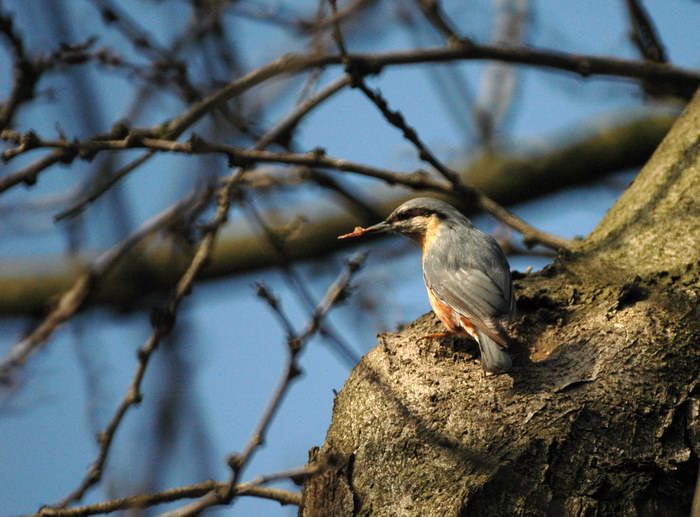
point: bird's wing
(473, 294)
(475, 283)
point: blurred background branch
(505, 176)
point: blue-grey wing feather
(470, 273)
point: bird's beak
(378, 228)
(359, 231)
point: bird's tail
(494, 359)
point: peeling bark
(600, 415)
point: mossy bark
(600, 415)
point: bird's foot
(485, 374)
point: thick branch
(583, 65)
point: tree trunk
(599, 416)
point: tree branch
(162, 321)
(253, 489)
(244, 157)
(586, 66)
(644, 33)
(290, 121)
(505, 177)
(583, 65)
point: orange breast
(455, 323)
(427, 238)
(444, 312)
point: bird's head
(417, 219)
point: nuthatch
(465, 271)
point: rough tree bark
(600, 415)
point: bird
(465, 271)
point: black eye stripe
(414, 212)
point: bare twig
(25, 77)
(72, 300)
(531, 235)
(105, 185)
(28, 70)
(287, 124)
(419, 180)
(433, 12)
(162, 59)
(335, 294)
(219, 495)
(295, 343)
(251, 488)
(162, 321)
(264, 293)
(277, 241)
(281, 131)
(28, 175)
(644, 33)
